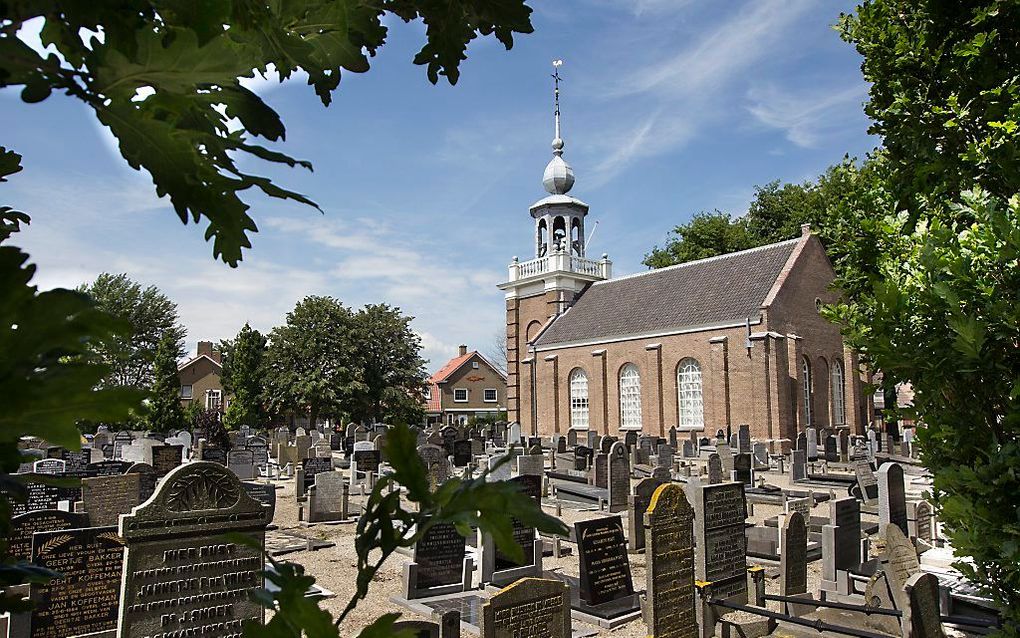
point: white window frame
(467, 395)
(495, 395)
(213, 399)
(474, 365)
(427, 393)
(190, 393)
(838, 393)
(629, 384)
(690, 395)
(580, 415)
(805, 369)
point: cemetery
(667, 545)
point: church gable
(719, 291)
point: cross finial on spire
(557, 140)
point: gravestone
(320, 449)
(19, 538)
(214, 454)
(499, 568)
(867, 482)
(607, 442)
(326, 498)
(661, 474)
(302, 443)
(436, 465)
(165, 458)
(672, 437)
(41, 496)
(107, 497)
(602, 470)
(49, 466)
(742, 468)
(439, 565)
(760, 451)
(367, 461)
(744, 439)
(177, 537)
(669, 594)
(107, 468)
(146, 479)
(582, 457)
(841, 538)
(900, 561)
(664, 455)
(619, 477)
(259, 448)
(802, 442)
(923, 616)
(513, 436)
(120, 439)
(313, 466)
(241, 462)
(638, 504)
(499, 470)
(726, 458)
(572, 439)
(800, 505)
(793, 539)
(86, 597)
(892, 503)
(798, 465)
(715, 470)
(831, 449)
(919, 521)
(688, 449)
(844, 445)
(812, 444)
(561, 445)
(263, 493)
(630, 439)
(529, 608)
(720, 512)
(531, 464)
(462, 453)
(602, 556)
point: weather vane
(556, 93)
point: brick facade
(753, 376)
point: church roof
(723, 290)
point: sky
(669, 108)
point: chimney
(463, 350)
(205, 347)
(805, 229)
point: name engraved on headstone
(529, 608)
(723, 559)
(440, 556)
(181, 578)
(604, 567)
(85, 599)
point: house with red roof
(468, 385)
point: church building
(703, 346)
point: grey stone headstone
(669, 538)
(715, 469)
(497, 471)
(892, 503)
(812, 444)
(533, 607)
(664, 455)
(672, 437)
(800, 505)
(900, 560)
(919, 521)
(531, 464)
(242, 463)
(793, 555)
(688, 449)
(49, 466)
(178, 534)
(761, 453)
(841, 538)
(107, 497)
(602, 470)
(742, 468)
(436, 464)
(326, 499)
(619, 477)
(744, 439)
(798, 465)
(923, 616)
(726, 458)
(637, 506)
(439, 558)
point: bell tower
(541, 288)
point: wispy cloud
(807, 117)
(686, 87)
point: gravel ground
(335, 568)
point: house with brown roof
(703, 346)
(468, 385)
(200, 379)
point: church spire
(559, 177)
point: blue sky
(669, 107)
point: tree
(312, 364)
(497, 351)
(393, 371)
(164, 78)
(706, 235)
(152, 317)
(164, 413)
(242, 378)
(930, 267)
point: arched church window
(630, 397)
(806, 374)
(578, 399)
(690, 395)
(838, 394)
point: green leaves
(188, 58)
